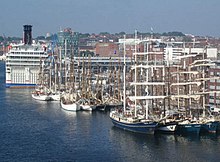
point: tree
(120, 33)
(187, 39)
(174, 33)
(86, 53)
(86, 35)
(40, 38)
(1, 39)
(103, 33)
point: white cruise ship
(23, 62)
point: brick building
(214, 85)
(107, 49)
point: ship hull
(169, 128)
(41, 97)
(209, 127)
(70, 107)
(139, 127)
(188, 129)
(14, 85)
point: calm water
(38, 131)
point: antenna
(151, 32)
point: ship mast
(135, 75)
(146, 89)
(124, 72)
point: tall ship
(23, 61)
(136, 115)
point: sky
(197, 17)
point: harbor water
(33, 130)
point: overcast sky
(198, 17)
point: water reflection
(162, 147)
(68, 114)
(86, 113)
(44, 132)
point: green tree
(86, 53)
(40, 38)
(187, 39)
(1, 39)
(104, 33)
(86, 35)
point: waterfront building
(214, 85)
(69, 40)
(107, 49)
(174, 50)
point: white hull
(29, 56)
(85, 104)
(55, 97)
(87, 107)
(70, 107)
(41, 97)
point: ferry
(23, 61)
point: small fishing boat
(69, 106)
(86, 104)
(209, 126)
(187, 127)
(168, 123)
(166, 127)
(69, 103)
(55, 96)
(40, 96)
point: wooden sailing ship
(69, 97)
(138, 117)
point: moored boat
(55, 96)
(69, 106)
(209, 126)
(218, 127)
(133, 124)
(187, 127)
(86, 105)
(23, 60)
(137, 118)
(41, 96)
(166, 127)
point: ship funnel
(27, 37)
